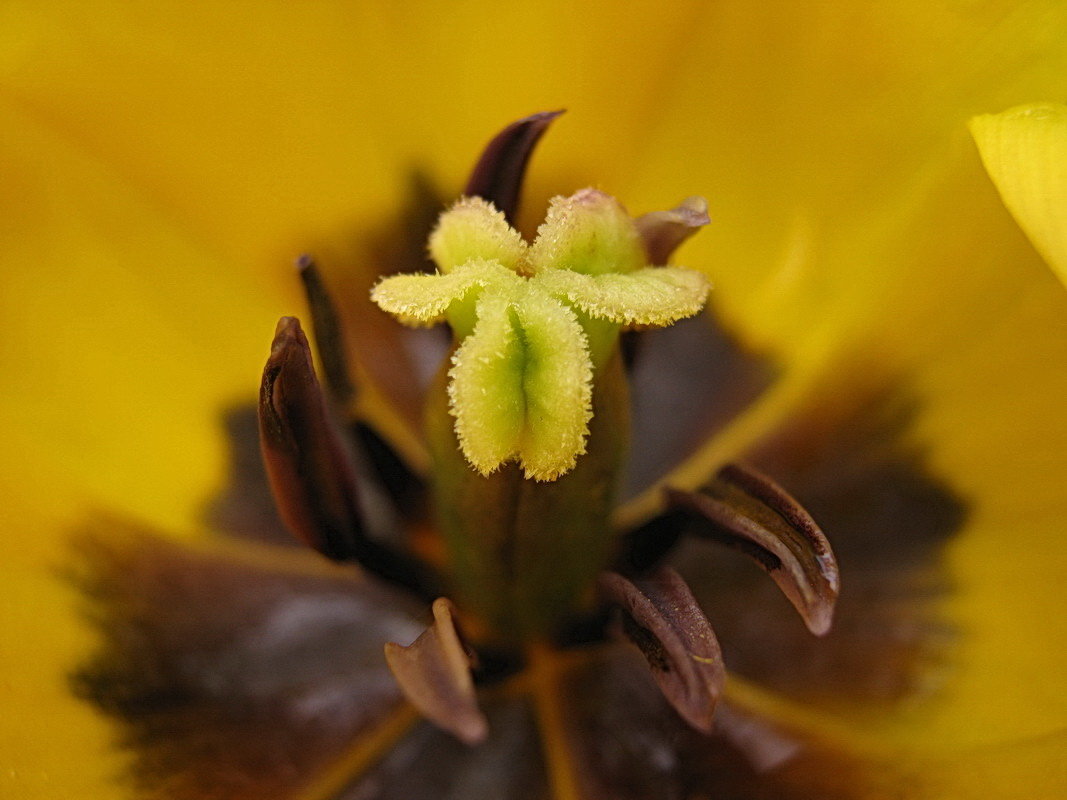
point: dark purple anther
(498, 175)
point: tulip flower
(880, 361)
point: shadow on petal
(231, 671)
(245, 508)
(687, 382)
(396, 361)
(430, 764)
(631, 745)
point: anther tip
(542, 116)
(287, 326)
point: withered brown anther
(310, 473)
(498, 175)
(434, 673)
(326, 325)
(664, 231)
(662, 618)
(747, 510)
(310, 467)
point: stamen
(664, 231)
(327, 328)
(662, 618)
(497, 177)
(311, 472)
(434, 673)
(747, 510)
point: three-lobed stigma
(535, 322)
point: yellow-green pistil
(536, 327)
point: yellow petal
(1025, 151)
(43, 639)
(259, 137)
(816, 136)
(123, 343)
(123, 339)
(1028, 765)
(994, 410)
(974, 327)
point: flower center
(528, 424)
